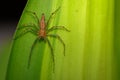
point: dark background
(11, 9)
(10, 12)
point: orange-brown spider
(41, 31)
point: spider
(42, 32)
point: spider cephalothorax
(42, 32)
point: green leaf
(4, 57)
(18, 62)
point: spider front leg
(52, 14)
(33, 45)
(52, 53)
(57, 28)
(25, 32)
(35, 16)
(28, 26)
(59, 38)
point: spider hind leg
(52, 53)
(59, 38)
(33, 45)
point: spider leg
(35, 16)
(58, 28)
(28, 26)
(33, 45)
(59, 38)
(52, 53)
(52, 14)
(25, 32)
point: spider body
(41, 31)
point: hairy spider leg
(59, 38)
(57, 28)
(24, 32)
(28, 26)
(35, 16)
(33, 45)
(52, 14)
(52, 53)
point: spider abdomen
(42, 33)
